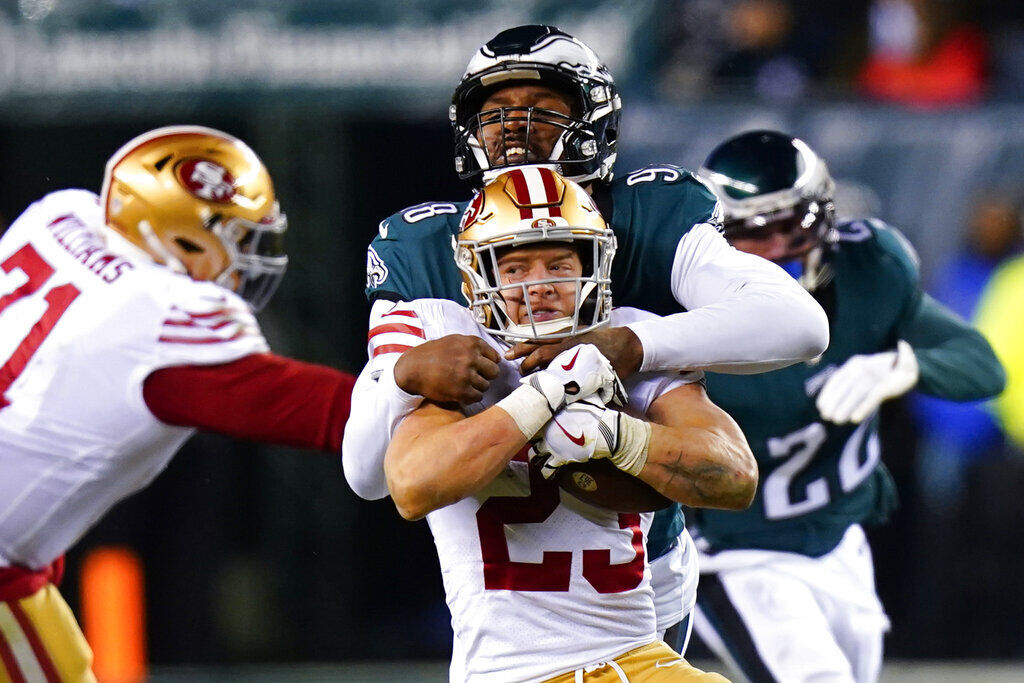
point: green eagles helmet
(537, 54)
(769, 183)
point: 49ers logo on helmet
(472, 211)
(543, 223)
(207, 180)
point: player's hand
(618, 344)
(457, 368)
(579, 432)
(580, 372)
(859, 386)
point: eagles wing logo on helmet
(768, 182)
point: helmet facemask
(257, 261)
(807, 226)
(488, 296)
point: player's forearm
(443, 464)
(262, 397)
(748, 333)
(743, 314)
(701, 467)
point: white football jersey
(537, 581)
(84, 319)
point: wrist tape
(528, 407)
(634, 441)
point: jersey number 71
(38, 272)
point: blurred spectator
(776, 49)
(1001, 318)
(954, 436)
(922, 53)
(763, 51)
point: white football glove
(586, 430)
(575, 374)
(577, 433)
(858, 387)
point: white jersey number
(37, 272)
(800, 447)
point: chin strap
(542, 328)
(816, 274)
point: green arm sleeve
(955, 360)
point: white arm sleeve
(378, 405)
(744, 314)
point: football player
(541, 585)
(126, 324)
(787, 586)
(536, 96)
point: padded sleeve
(261, 397)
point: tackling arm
(698, 455)
(744, 314)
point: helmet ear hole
(188, 246)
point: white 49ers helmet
(198, 196)
(527, 206)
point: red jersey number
(38, 272)
(553, 572)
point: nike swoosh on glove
(577, 433)
(858, 387)
(581, 372)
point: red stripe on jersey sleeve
(395, 327)
(193, 323)
(261, 397)
(200, 340)
(390, 348)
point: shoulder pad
(887, 239)
(425, 217)
(660, 173)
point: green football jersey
(818, 478)
(412, 257)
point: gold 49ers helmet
(200, 202)
(526, 206)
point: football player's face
(526, 266)
(779, 243)
(507, 135)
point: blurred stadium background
(260, 563)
